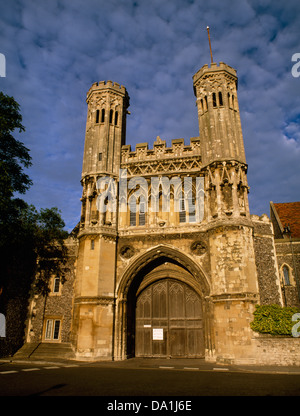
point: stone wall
(265, 259)
(277, 350)
(58, 305)
(288, 253)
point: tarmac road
(144, 378)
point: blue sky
(55, 50)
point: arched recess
(143, 271)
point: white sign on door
(158, 334)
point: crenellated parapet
(106, 85)
(160, 150)
(162, 160)
(206, 72)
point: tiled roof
(289, 214)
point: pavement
(180, 364)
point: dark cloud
(56, 49)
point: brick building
(285, 218)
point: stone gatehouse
(166, 259)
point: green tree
(14, 156)
(50, 249)
(273, 319)
(32, 245)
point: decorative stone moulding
(126, 252)
(198, 248)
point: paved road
(112, 379)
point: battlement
(260, 218)
(107, 85)
(161, 151)
(214, 67)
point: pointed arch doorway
(160, 264)
(169, 321)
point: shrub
(273, 319)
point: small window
(100, 157)
(214, 99)
(52, 329)
(182, 213)
(132, 219)
(142, 218)
(142, 214)
(92, 244)
(111, 113)
(102, 115)
(192, 209)
(220, 98)
(233, 102)
(202, 108)
(286, 275)
(116, 118)
(132, 212)
(56, 285)
(56, 329)
(97, 116)
(206, 105)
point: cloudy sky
(55, 49)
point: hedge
(273, 319)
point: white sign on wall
(158, 334)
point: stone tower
(234, 288)
(221, 141)
(94, 289)
(218, 113)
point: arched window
(286, 275)
(116, 118)
(220, 98)
(214, 99)
(229, 103)
(206, 105)
(102, 115)
(97, 116)
(233, 102)
(56, 285)
(111, 116)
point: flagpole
(211, 57)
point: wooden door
(169, 321)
